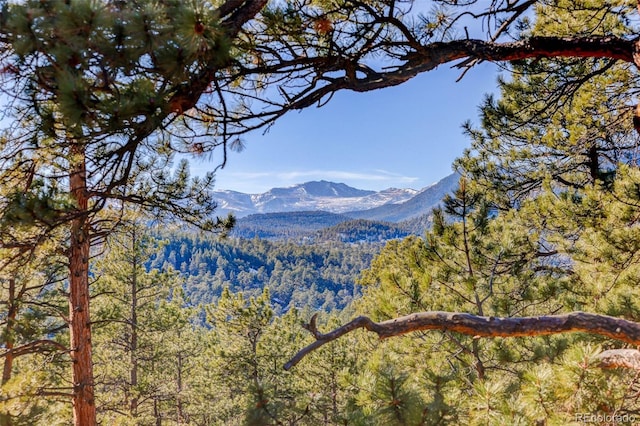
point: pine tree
(32, 300)
(131, 324)
(34, 347)
(241, 377)
(543, 222)
(98, 79)
(558, 120)
(100, 90)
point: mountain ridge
(420, 204)
(331, 197)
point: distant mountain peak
(323, 188)
(331, 197)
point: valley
(300, 212)
(308, 259)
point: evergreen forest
(125, 299)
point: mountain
(310, 196)
(420, 204)
(327, 211)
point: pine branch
(479, 326)
(43, 345)
(434, 54)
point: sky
(404, 137)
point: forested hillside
(322, 226)
(285, 225)
(317, 276)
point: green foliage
(33, 346)
(513, 263)
(389, 396)
(31, 396)
(321, 276)
(143, 339)
(246, 383)
(606, 254)
(97, 82)
(37, 207)
(555, 121)
(544, 221)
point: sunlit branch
(479, 326)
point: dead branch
(478, 326)
(619, 358)
(43, 345)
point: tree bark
(133, 407)
(9, 339)
(628, 359)
(428, 57)
(5, 419)
(479, 326)
(84, 409)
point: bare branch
(479, 326)
(619, 358)
(43, 345)
(330, 74)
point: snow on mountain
(422, 202)
(317, 195)
(238, 203)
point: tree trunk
(5, 418)
(180, 410)
(156, 412)
(133, 407)
(9, 339)
(84, 409)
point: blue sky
(405, 137)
